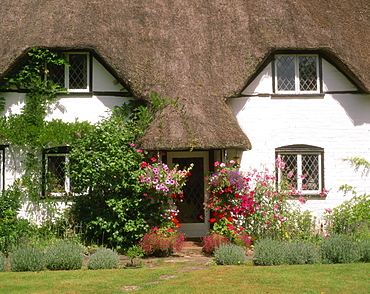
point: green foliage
(268, 251)
(12, 228)
(64, 255)
(133, 253)
(360, 162)
(302, 253)
(230, 254)
(339, 249)
(3, 262)
(27, 258)
(103, 259)
(351, 218)
(364, 249)
(106, 170)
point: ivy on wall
(28, 133)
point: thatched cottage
(257, 80)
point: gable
(332, 79)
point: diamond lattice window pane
(191, 209)
(56, 170)
(77, 71)
(310, 167)
(290, 166)
(56, 74)
(307, 73)
(285, 67)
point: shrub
(103, 259)
(269, 252)
(27, 259)
(2, 262)
(351, 218)
(364, 249)
(162, 242)
(212, 241)
(230, 254)
(64, 255)
(134, 252)
(302, 253)
(339, 249)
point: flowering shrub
(255, 204)
(159, 178)
(163, 185)
(162, 241)
(212, 241)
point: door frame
(194, 230)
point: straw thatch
(199, 51)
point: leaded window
(57, 166)
(75, 75)
(303, 167)
(297, 73)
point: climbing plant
(27, 133)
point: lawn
(319, 278)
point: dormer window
(297, 73)
(75, 76)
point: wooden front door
(192, 216)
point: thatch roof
(199, 51)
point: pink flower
(324, 192)
(268, 223)
(303, 176)
(222, 164)
(327, 235)
(230, 227)
(79, 135)
(276, 207)
(276, 215)
(169, 230)
(302, 200)
(155, 230)
(328, 210)
(132, 144)
(290, 174)
(222, 171)
(216, 163)
(140, 150)
(232, 161)
(279, 163)
(283, 218)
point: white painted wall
(339, 123)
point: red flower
(230, 219)
(144, 164)
(173, 195)
(212, 220)
(153, 159)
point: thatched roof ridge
(199, 51)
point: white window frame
(67, 186)
(280, 152)
(297, 78)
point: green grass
(319, 278)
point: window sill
(299, 95)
